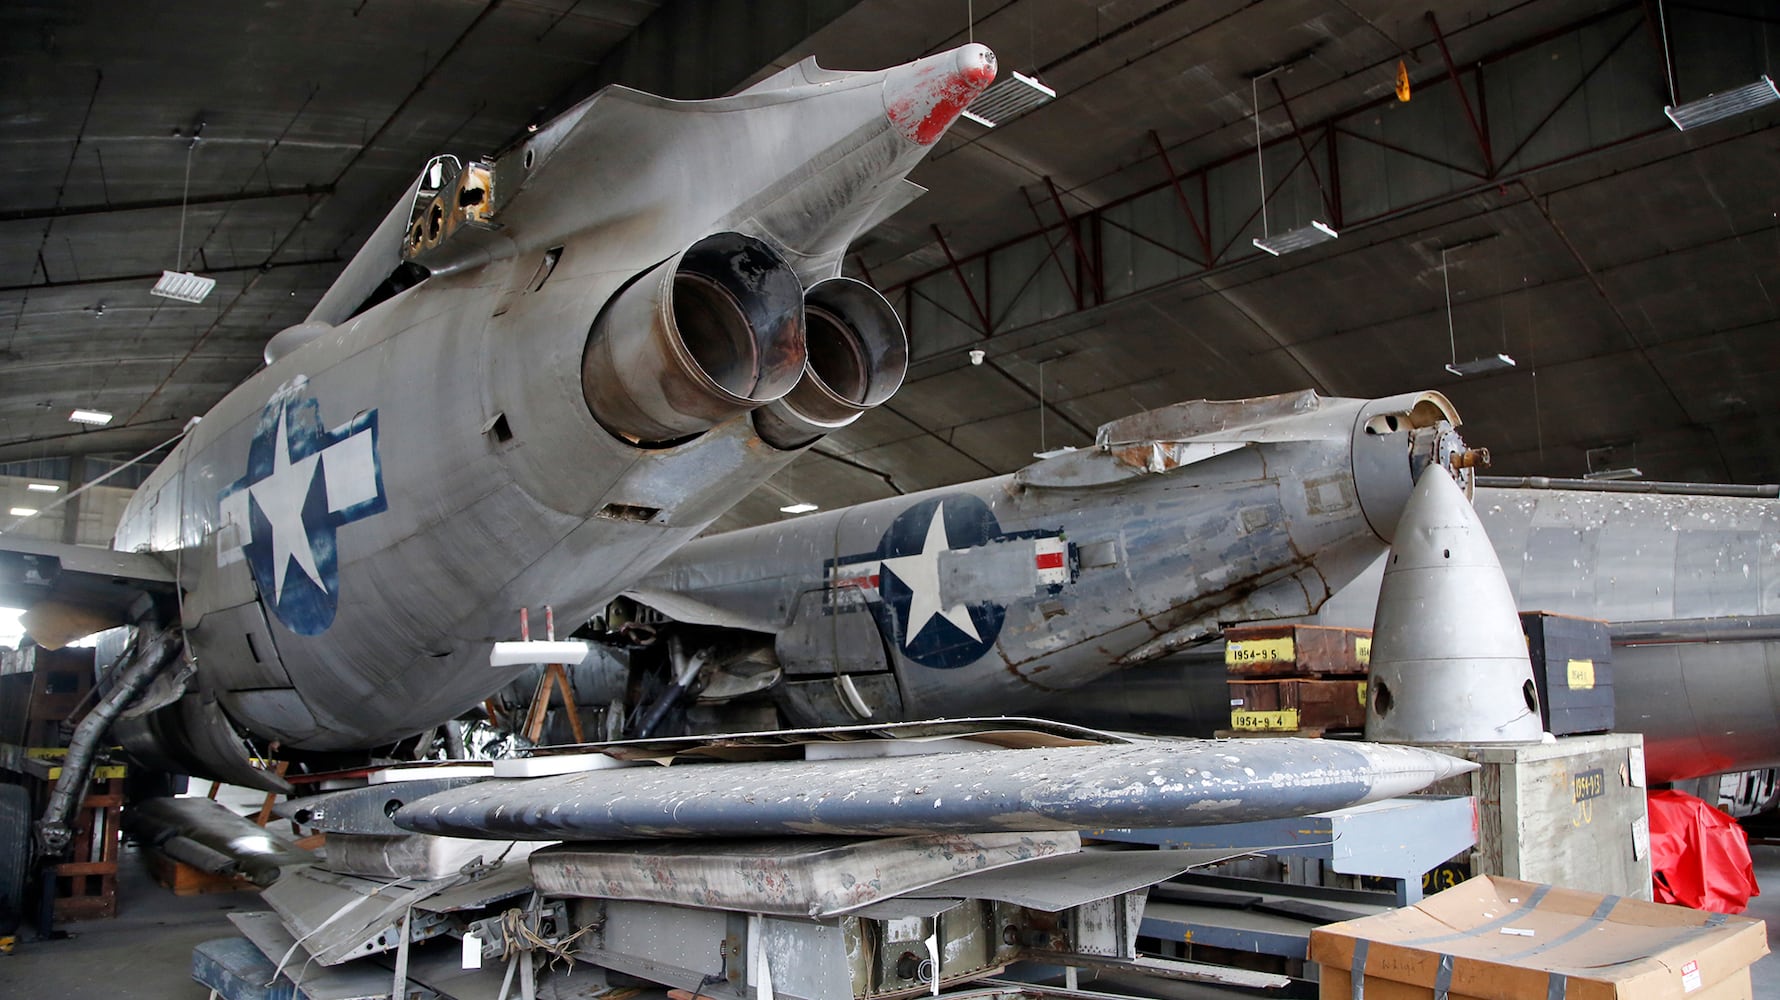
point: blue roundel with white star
(938, 581)
(912, 612)
(304, 482)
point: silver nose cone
(1449, 661)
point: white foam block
(479, 769)
(517, 654)
(547, 764)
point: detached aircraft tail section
(544, 371)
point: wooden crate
(86, 887)
(1573, 667)
(1296, 651)
(1297, 703)
(41, 691)
(1569, 813)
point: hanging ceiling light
(1292, 239)
(1726, 104)
(1008, 98)
(95, 418)
(797, 508)
(184, 286)
(1475, 366)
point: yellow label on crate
(1283, 720)
(1360, 689)
(104, 772)
(1260, 651)
(1363, 648)
(1582, 675)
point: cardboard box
(1493, 938)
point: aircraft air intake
(702, 337)
(857, 358)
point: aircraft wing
(69, 591)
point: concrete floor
(1766, 972)
(146, 952)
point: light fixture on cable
(1292, 239)
(184, 286)
(1712, 107)
(1607, 464)
(1476, 366)
(1008, 98)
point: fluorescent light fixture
(797, 508)
(44, 488)
(183, 286)
(23, 511)
(1480, 366)
(1008, 98)
(1606, 475)
(1297, 239)
(1718, 107)
(97, 418)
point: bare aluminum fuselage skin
(991, 595)
(437, 451)
(1692, 587)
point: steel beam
(60, 212)
(969, 292)
(1452, 73)
(1075, 239)
(1298, 134)
(1181, 197)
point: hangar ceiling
(1098, 249)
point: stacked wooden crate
(1296, 680)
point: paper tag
(1640, 838)
(472, 952)
(1580, 674)
(1690, 977)
(1518, 931)
(1635, 760)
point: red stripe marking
(1050, 560)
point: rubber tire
(15, 855)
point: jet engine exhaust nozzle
(858, 355)
(702, 337)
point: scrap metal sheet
(317, 982)
(339, 917)
(802, 877)
(1058, 883)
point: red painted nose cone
(924, 97)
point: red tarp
(1698, 855)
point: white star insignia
(920, 573)
(280, 497)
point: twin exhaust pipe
(724, 328)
